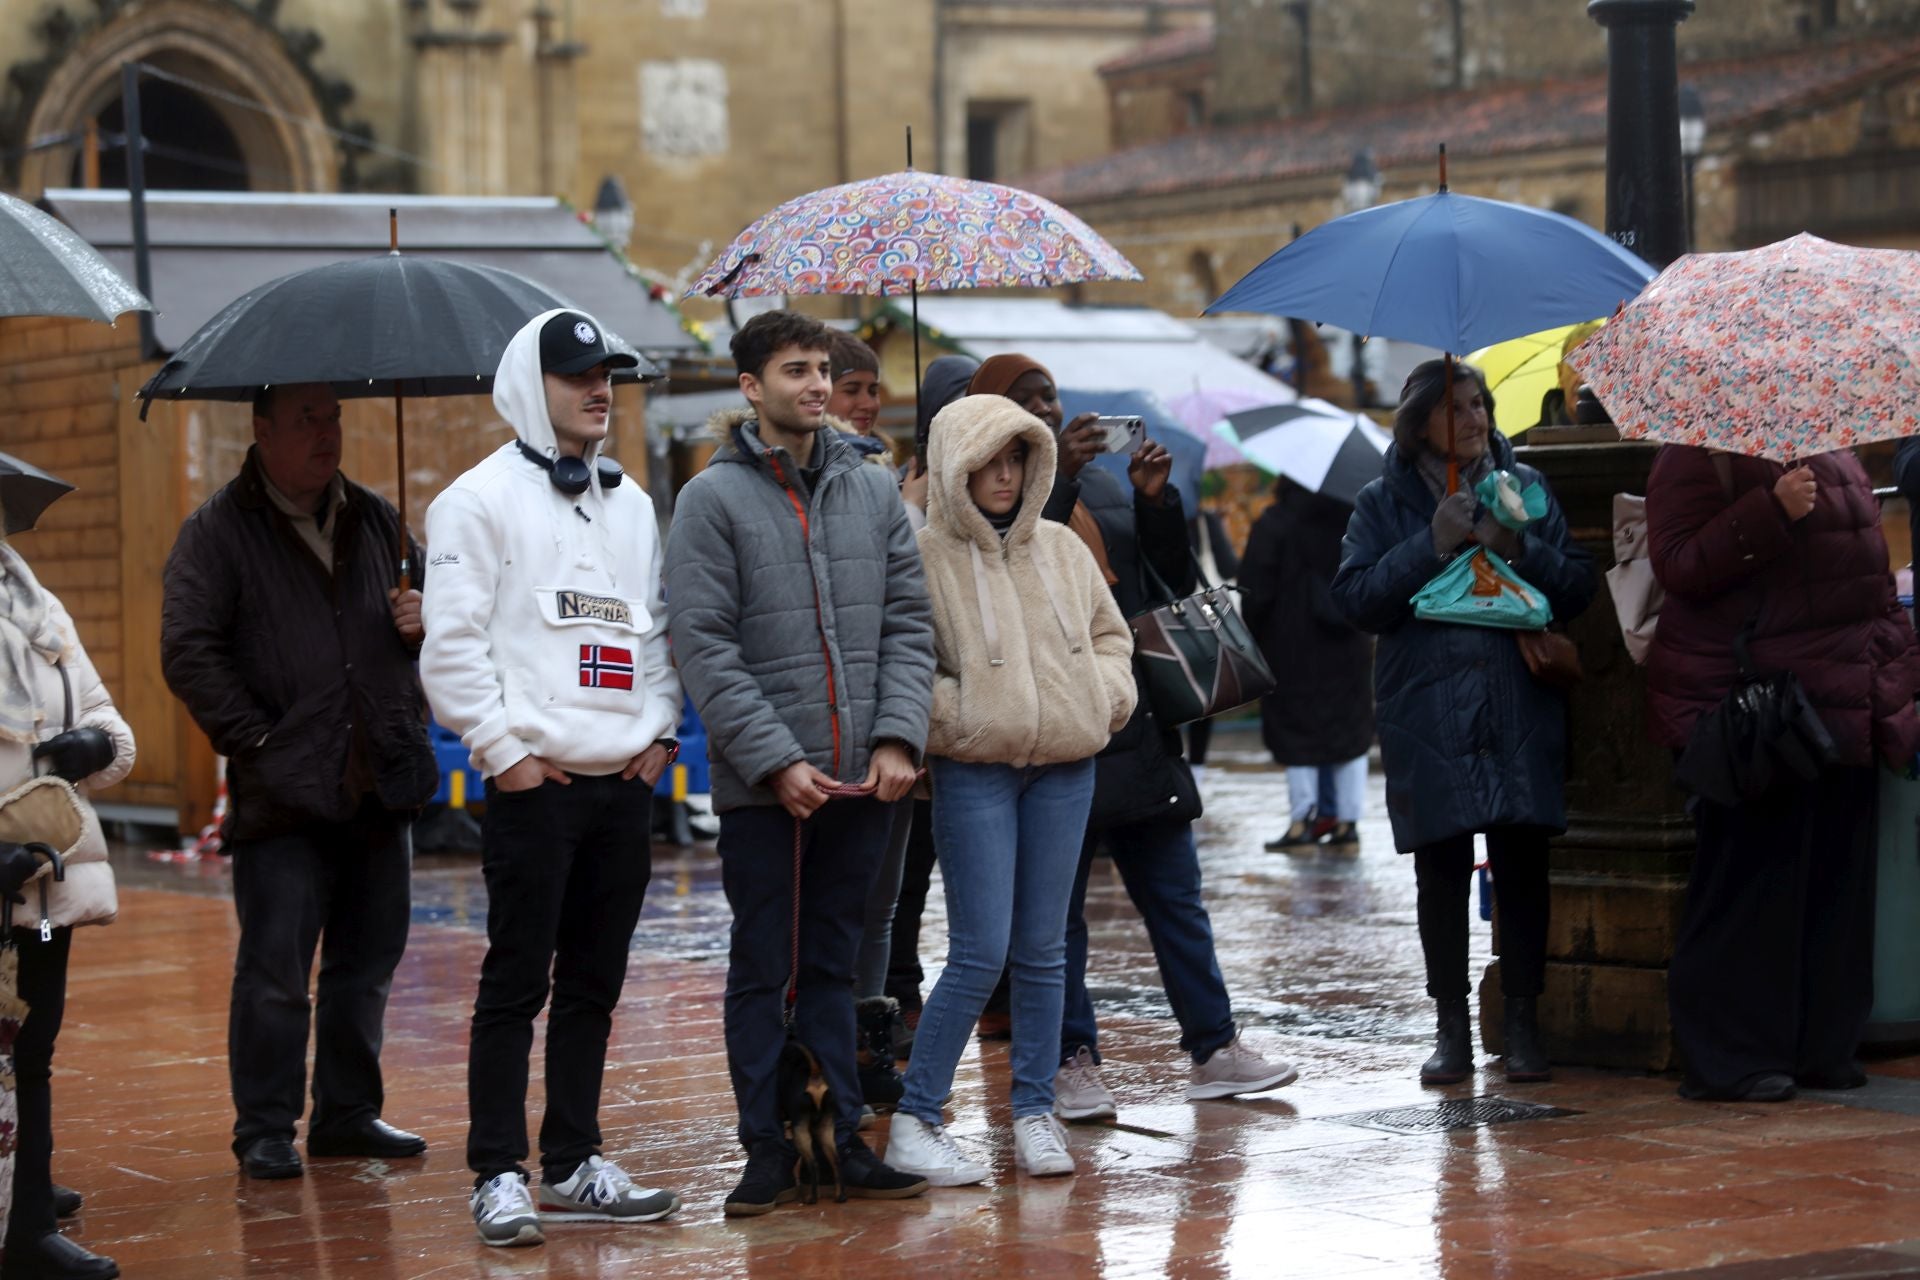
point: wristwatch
(672, 745)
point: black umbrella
(47, 270)
(25, 492)
(387, 326)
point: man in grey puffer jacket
(802, 630)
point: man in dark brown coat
(286, 637)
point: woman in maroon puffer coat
(1772, 974)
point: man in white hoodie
(548, 655)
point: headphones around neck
(570, 475)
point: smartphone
(1120, 435)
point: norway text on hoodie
(546, 633)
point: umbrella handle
(1453, 459)
(400, 463)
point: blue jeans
(1159, 865)
(1008, 841)
(1336, 791)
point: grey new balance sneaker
(599, 1191)
(503, 1211)
(1234, 1069)
(1078, 1091)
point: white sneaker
(927, 1151)
(1078, 1091)
(1040, 1146)
(503, 1211)
(602, 1192)
(1235, 1069)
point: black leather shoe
(1771, 1086)
(270, 1158)
(66, 1201)
(54, 1257)
(376, 1139)
(1848, 1075)
(1452, 1059)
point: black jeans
(347, 888)
(1773, 967)
(841, 846)
(904, 974)
(1518, 856)
(43, 985)
(566, 869)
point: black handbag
(1136, 778)
(1195, 656)
(1765, 731)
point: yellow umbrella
(1521, 371)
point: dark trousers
(1160, 867)
(841, 846)
(345, 887)
(904, 974)
(43, 986)
(1773, 968)
(1518, 857)
(566, 869)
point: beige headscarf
(28, 636)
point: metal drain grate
(1453, 1113)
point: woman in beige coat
(55, 718)
(1033, 674)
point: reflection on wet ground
(1323, 960)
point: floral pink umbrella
(1787, 351)
(904, 232)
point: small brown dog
(807, 1106)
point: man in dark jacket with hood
(283, 632)
(803, 633)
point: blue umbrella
(1447, 271)
(1189, 452)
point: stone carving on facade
(683, 108)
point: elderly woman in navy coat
(1471, 741)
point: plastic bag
(1480, 589)
(1512, 506)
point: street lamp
(1361, 190)
(613, 212)
(1693, 141)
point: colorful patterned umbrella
(888, 236)
(1786, 351)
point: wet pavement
(1347, 1172)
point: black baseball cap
(571, 342)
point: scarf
(29, 636)
(1432, 466)
(1002, 524)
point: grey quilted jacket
(800, 619)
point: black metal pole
(1646, 199)
(1693, 208)
(137, 200)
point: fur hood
(967, 434)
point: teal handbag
(1480, 589)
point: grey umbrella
(25, 492)
(47, 270)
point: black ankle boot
(1452, 1059)
(880, 1083)
(1526, 1056)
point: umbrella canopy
(1199, 410)
(25, 492)
(1335, 457)
(1245, 425)
(1520, 372)
(47, 270)
(386, 326)
(1787, 351)
(1447, 271)
(908, 231)
(1189, 453)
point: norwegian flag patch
(605, 667)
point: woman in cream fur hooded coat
(1033, 673)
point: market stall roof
(208, 248)
(1090, 348)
